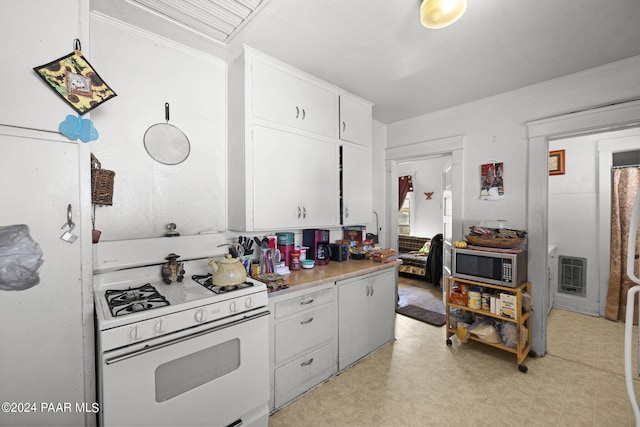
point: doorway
(539, 133)
(580, 200)
(451, 147)
(422, 212)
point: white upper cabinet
(355, 121)
(283, 148)
(295, 183)
(356, 185)
(282, 97)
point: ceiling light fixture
(436, 14)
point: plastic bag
(509, 334)
(527, 302)
(20, 258)
(485, 331)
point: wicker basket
(495, 243)
(101, 183)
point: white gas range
(184, 353)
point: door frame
(539, 132)
(452, 146)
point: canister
(474, 299)
(285, 238)
(486, 301)
(294, 263)
(285, 252)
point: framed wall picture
(556, 162)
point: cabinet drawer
(303, 373)
(303, 302)
(302, 332)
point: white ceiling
(378, 50)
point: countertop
(334, 271)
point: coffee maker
(318, 243)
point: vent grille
(217, 19)
(572, 275)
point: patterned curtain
(405, 184)
(625, 183)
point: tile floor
(418, 381)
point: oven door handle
(135, 353)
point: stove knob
(159, 327)
(200, 316)
(135, 333)
(248, 302)
(233, 307)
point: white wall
(573, 215)
(380, 192)
(494, 130)
(146, 71)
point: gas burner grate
(205, 280)
(131, 300)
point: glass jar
(294, 264)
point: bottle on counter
(294, 263)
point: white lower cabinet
(320, 330)
(303, 343)
(307, 371)
(366, 315)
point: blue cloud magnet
(78, 128)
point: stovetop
(155, 298)
(206, 281)
(130, 300)
(129, 288)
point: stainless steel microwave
(496, 268)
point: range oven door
(211, 376)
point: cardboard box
(508, 305)
(354, 234)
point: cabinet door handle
(304, 114)
(309, 320)
(346, 212)
(304, 213)
(297, 112)
(299, 212)
(307, 363)
(372, 289)
(305, 302)
(368, 290)
(344, 126)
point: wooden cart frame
(522, 318)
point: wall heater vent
(572, 275)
